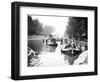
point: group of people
(66, 44)
(76, 49)
(73, 45)
(70, 47)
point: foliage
(77, 27)
(34, 26)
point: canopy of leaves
(34, 26)
(77, 27)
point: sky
(59, 23)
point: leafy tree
(34, 26)
(77, 28)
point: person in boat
(70, 49)
(74, 46)
(53, 42)
(65, 46)
(50, 37)
(83, 57)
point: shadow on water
(68, 56)
(36, 45)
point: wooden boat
(52, 43)
(71, 52)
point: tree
(77, 27)
(34, 26)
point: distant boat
(52, 42)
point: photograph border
(15, 40)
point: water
(50, 55)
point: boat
(70, 50)
(52, 42)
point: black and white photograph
(53, 40)
(57, 40)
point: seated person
(65, 47)
(82, 58)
